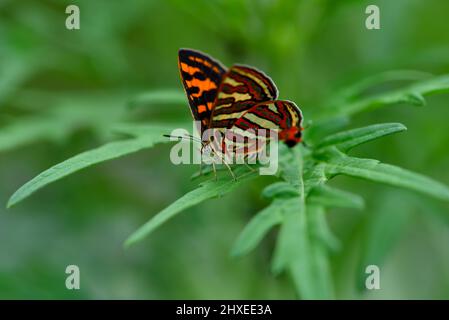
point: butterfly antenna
(186, 137)
(194, 138)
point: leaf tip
(401, 127)
(11, 202)
(276, 269)
(129, 242)
(359, 204)
(235, 253)
(416, 99)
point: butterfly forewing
(242, 87)
(201, 76)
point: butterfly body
(239, 100)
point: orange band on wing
(202, 86)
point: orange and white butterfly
(238, 99)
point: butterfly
(239, 99)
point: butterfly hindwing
(242, 87)
(281, 115)
(201, 76)
(278, 114)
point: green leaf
(14, 72)
(314, 176)
(303, 238)
(166, 96)
(280, 190)
(293, 227)
(65, 116)
(331, 197)
(347, 140)
(207, 190)
(257, 228)
(319, 228)
(309, 264)
(29, 130)
(296, 251)
(388, 76)
(412, 94)
(324, 127)
(302, 252)
(375, 171)
(290, 164)
(86, 159)
(207, 170)
(292, 240)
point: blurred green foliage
(64, 92)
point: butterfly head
(291, 136)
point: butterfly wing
(201, 76)
(242, 87)
(278, 114)
(281, 115)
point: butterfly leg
(306, 145)
(223, 159)
(245, 162)
(215, 171)
(230, 170)
(249, 167)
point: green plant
(300, 199)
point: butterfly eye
(298, 134)
(290, 143)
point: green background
(61, 91)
